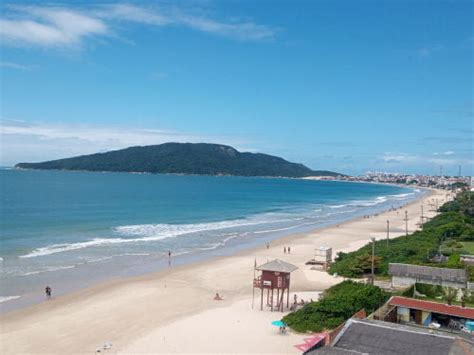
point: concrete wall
(402, 282)
(403, 314)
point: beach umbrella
(278, 323)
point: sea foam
(154, 232)
(8, 298)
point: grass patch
(468, 246)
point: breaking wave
(142, 233)
(8, 298)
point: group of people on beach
(286, 250)
(297, 304)
(370, 215)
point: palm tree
(465, 294)
(449, 294)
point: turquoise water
(76, 228)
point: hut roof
(427, 272)
(278, 266)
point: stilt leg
(272, 299)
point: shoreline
(126, 310)
(70, 273)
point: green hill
(182, 158)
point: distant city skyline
(336, 85)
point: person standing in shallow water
(47, 290)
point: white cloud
(241, 31)
(24, 141)
(136, 14)
(16, 66)
(447, 158)
(398, 158)
(449, 152)
(49, 27)
(428, 51)
(167, 16)
(52, 26)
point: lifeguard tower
(275, 276)
(322, 257)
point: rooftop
(375, 337)
(457, 311)
(278, 265)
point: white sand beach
(173, 311)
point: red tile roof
(457, 311)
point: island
(183, 158)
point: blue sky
(350, 86)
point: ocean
(70, 230)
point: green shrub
(338, 304)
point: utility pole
(388, 231)
(406, 222)
(373, 261)
(459, 171)
(422, 217)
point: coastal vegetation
(337, 304)
(450, 233)
(183, 158)
(437, 293)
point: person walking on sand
(289, 250)
(284, 250)
(48, 291)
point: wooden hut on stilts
(275, 276)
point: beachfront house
(426, 313)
